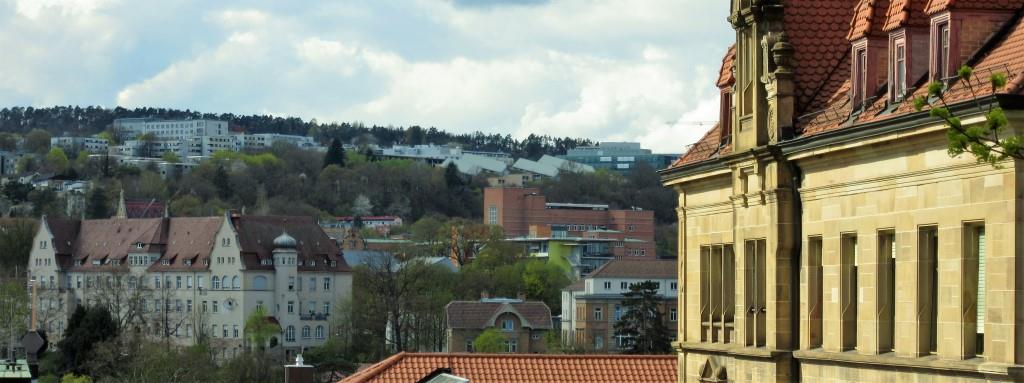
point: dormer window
(860, 76)
(899, 74)
(941, 51)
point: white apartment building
(261, 141)
(169, 130)
(73, 145)
(185, 278)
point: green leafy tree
(14, 310)
(335, 154)
(16, 237)
(171, 157)
(72, 378)
(489, 341)
(57, 161)
(37, 141)
(8, 142)
(988, 141)
(642, 322)
(259, 328)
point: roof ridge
(477, 355)
(377, 368)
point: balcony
(313, 316)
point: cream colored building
(186, 278)
(826, 234)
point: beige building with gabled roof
(187, 278)
(826, 234)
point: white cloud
(615, 69)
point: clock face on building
(229, 304)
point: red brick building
(524, 212)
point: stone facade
(854, 249)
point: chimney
(484, 295)
(298, 372)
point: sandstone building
(186, 278)
(826, 235)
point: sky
(609, 70)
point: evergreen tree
(642, 324)
(335, 154)
(87, 327)
(97, 206)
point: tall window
(215, 283)
(974, 252)
(860, 77)
(850, 292)
(598, 313)
(886, 290)
(327, 284)
(508, 325)
(320, 332)
(492, 215)
(928, 246)
(289, 334)
(942, 51)
(511, 345)
(717, 291)
(815, 292)
(900, 70)
(306, 332)
(755, 292)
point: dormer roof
(936, 6)
(905, 13)
(868, 19)
(726, 75)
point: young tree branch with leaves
(989, 142)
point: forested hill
(76, 120)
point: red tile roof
(708, 147)
(143, 208)
(631, 268)
(481, 315)
(726, 76)
(256, 237)
(523, 368)
(868, 19)
(820, 49)
(936, 6)
(905, 13)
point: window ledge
(731, 349)
(931, 362)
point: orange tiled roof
(515, 368)
(905, 13)
(707, 147)
(726, 77)
(820, 48)
(936, 6)
(868, 19)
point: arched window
(319, 332)
(235, 283)
(216, 282)
(226, 282)
(259, 283)
(289, 334)
(305, 332)
(131, 282)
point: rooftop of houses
(521, 368)
(482, 314)
(186, 243)
(632, 268)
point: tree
(16, 237)
(335, 154)
(146, 142)
(362, 206)
(490, 341)
(57, 161)
(414, 136)
(87, 327)
(171, 157)
(642, 323)
(259, 328)
(988, 141)
(37, 141)
(97, 205)
(8, 142)
(14, 310)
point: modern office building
(184, 278)
(621, 157)
(826, 233)
(194, 138)
(524, 212)
(592, 305)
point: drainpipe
(796, 261)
